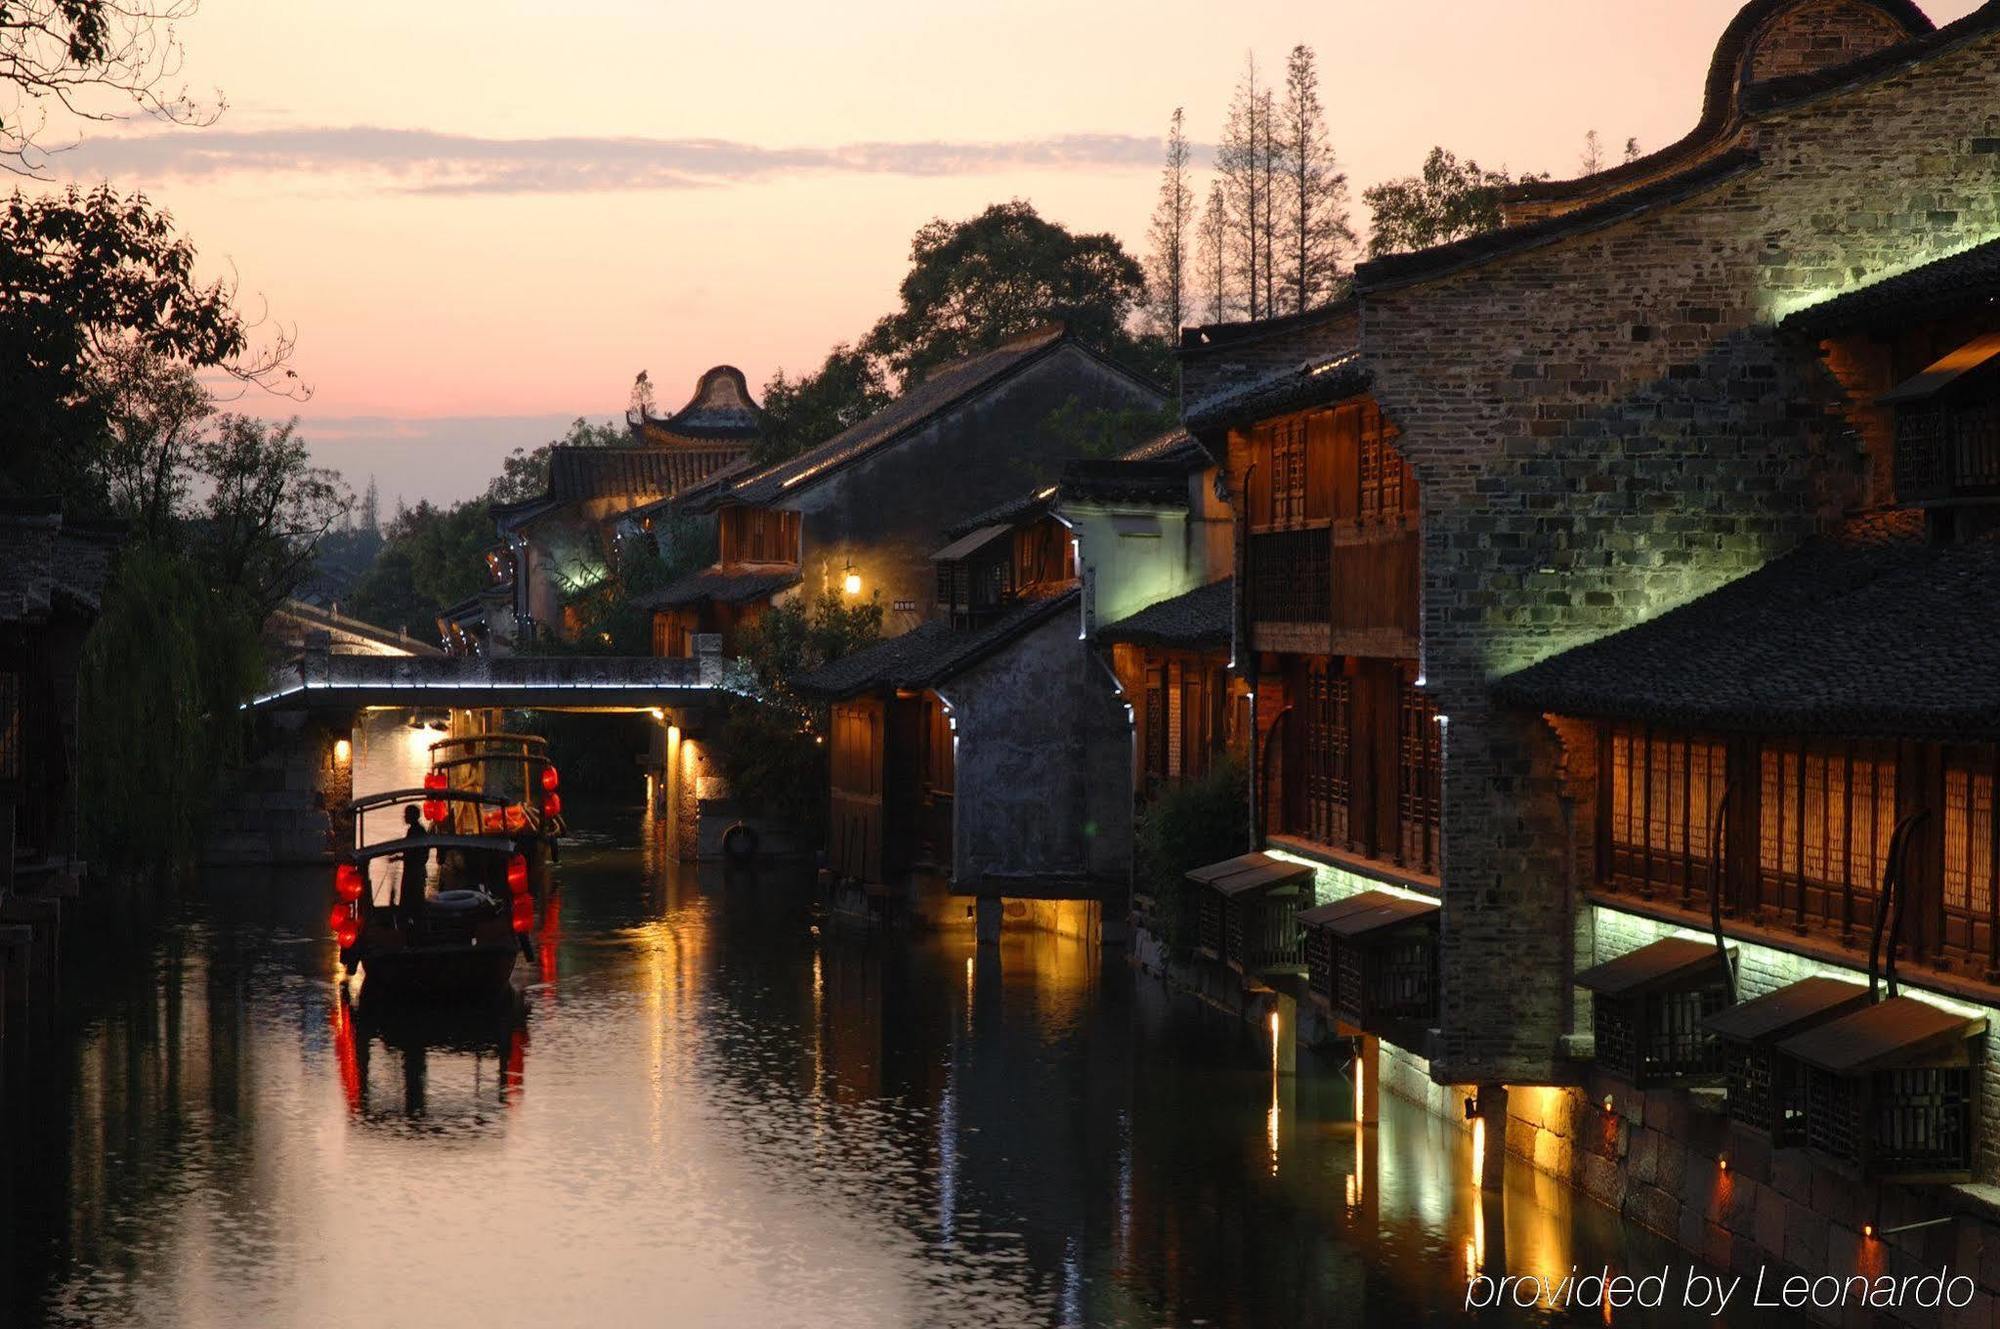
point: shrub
(1183, 827)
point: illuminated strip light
(474, 686)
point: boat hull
(440, 973)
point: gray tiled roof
(930, 654)
(1197, 620)
(1174, 445)
(916, 407)
(1116, 482)
(720, 586)
(1946, 286)
(1313, 383)
(1872, 632)
(48, 564)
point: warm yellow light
(343, 751)
(1360, 1086)
(658, 714)
(852, 583)
(1478, 1150)
(1722, 1163)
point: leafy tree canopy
(972, 284)
(1448, 200)
(85, 280)
(524, 474)
(800, 412)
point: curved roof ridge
(1723, 102)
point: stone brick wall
(1606, 426)
(1819, 35)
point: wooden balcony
(1290, 577)
(1947, 453)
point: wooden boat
(491, 814)
(518, 767)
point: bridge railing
(435, 680)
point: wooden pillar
(1492, 1115)
(986, 916)
(1367, 1080)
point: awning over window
(1792, 1009)
(1901, 1031)
(1370, 911)
(966, 546)
(1968, 363)
(1250, 872)
(1668, 962)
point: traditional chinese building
(990, 752)
(860, 514)
(1632, 559)
(561, 544)
(52, 576)
(1156, 547)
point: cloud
(425, 162)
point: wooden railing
(1948, 453)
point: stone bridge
(321, 681)
(285, 808)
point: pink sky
(484, 218)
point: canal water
(704, 1109)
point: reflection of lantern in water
(551, 933)
(514, 1081)
(344, 1054)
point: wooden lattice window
(1328, 755)
(10, 726)
(1827, 811)
(1420, 779)
(1663, 792)
(1969, 828)
(1288, 472)
(1156, 725)
(1972, 853)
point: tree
(371, 508)
(1592, 160)
(972, 284)
(431, 557)
(267, 510)
(155, 410)
(1244, 159)
(524, 472)
(88, 60)
(1172, 226)
(642, 401)
(1448, 201)
(773, 751)
(800, 412)
(1313, 223)
(1212, 253)
(1632, 153)
(86, 278)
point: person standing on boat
(416, 860)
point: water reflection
(702, 1111)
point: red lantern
(517, 875)
(347, 933)
(491, 821)
(517, 817)
(437, 780)
(552, 806)
(524, 913)
(348, 882)
(341, 917)
(550, 780)
(436, 809)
